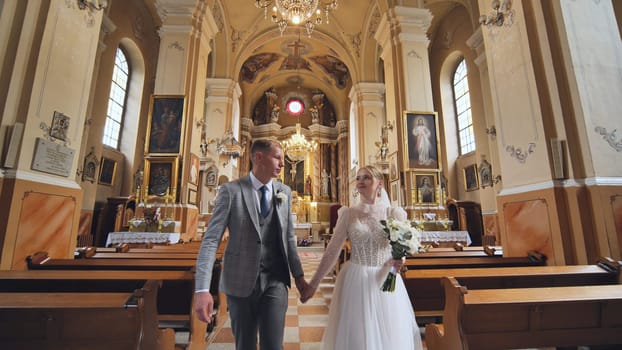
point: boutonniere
(280, 197)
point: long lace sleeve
(398, 213)
(340, 233)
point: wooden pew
(427, 296)
(41, 261)
(74, 320)
(175, 299)
(130, 255)
(533, 259)
(443, 252)
(493, 319)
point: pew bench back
(427, 294)
(75, 320)
(527, 317)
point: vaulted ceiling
(250, 49)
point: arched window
(462, 101)
(116, 100)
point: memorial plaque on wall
(52, 158)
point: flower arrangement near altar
(152, 216)
(405, 240)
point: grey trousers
(264, 312)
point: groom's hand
(204, 306)
(307, 293)
(302, 286)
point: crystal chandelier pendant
(297, 12)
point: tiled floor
(304, 325)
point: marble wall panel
(45, 224)
(528, 227)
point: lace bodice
(369, 244)
(361, 225)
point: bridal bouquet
(404, 240)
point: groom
(260, 254)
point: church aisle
(304, 325)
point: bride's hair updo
(375, 173)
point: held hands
(204, 306)
(305, 290)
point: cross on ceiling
(296, 45)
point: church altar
(142, 237)
(302, 230)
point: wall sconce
(227, 146)
(93, 5)
(501, 14)
(496, 179)
(200, 123)
(492, 131)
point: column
(187, 29)
(402, 35)
(48, 65)
(369, 101)
(221, 96)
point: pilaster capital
(368, 94)
(221, 87)
(403, 24)
(476, 43)
(176, 10)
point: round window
(295, 107)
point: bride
(362, 316)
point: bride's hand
(307, 293)
(398, 264)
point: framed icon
(421, 137)
(107, 171)
(166, 118)
(471, 181)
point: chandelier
(297, 12)
(297, 146)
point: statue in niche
(274, 114)
(325, 178)
(315, 115)
(308, 187)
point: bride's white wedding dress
(361, 316)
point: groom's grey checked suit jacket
(237, 209)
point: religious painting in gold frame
(471, 179)
(161, 176)
(165, 125)
(426, 188)
(394, 170)
(422, 151)
(107, 171)
(395, 192)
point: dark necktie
(265, 206)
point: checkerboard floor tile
(304, 323)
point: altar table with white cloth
(446, 238)
(142, 237)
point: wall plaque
(52, 158)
